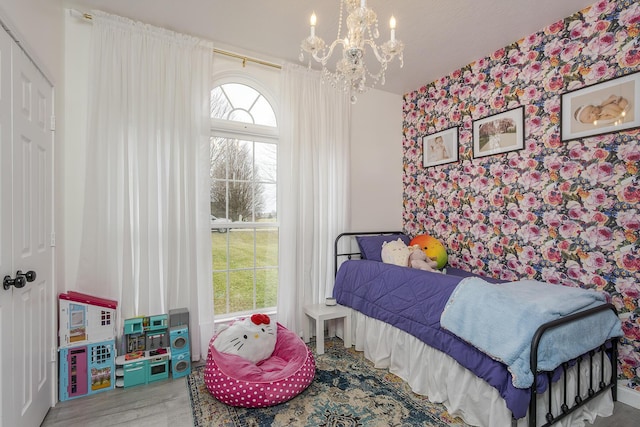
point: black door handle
(20, 280)
(29, 275)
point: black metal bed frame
(607, 350)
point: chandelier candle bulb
(363, 3)
(392, 25)
(312, 21)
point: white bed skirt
(431, 373)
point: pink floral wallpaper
(562, 212)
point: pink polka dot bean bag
(237, 381)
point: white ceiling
(439, 35)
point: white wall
(376, 162)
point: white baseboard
(629, 396)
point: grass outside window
(245, 269)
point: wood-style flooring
(162, 403)
(166, 404)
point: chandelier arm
(381, 58)
(324, 58)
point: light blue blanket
(501, 319)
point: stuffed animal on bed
(252, 338)
(418, 259)
(432, 247)
(395, 252)
(398, 253)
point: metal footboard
(606, 351)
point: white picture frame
(440, 148)
(499, 133)
(605, 107)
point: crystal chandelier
(362, 29)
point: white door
(29, 325)
(6, 250)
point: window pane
(267, 288)
(263, 113)
(218, 151)
(218, 175)
(266, 162)
(241, 201)
(240, 159)
(241, 249)
(219, 250)
(267, 247)
(220, 293)
(232, 170)
(266, 175)
(241, 297)
(268, 207)
(220, 105)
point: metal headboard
(350, 254)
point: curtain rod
(244, 58)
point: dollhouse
(86, 334)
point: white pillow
(395, 252)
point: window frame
(223, 128)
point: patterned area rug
(346, 392)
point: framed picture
(500, 133)
(440, 148)
(605, 107)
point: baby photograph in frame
(601, 108)
(440, 148)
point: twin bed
(495, 354)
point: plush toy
(418, 259)
(252, 338)
(432, 247)
(398, 253)
(395, 252)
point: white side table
(322, 312)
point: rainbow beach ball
(432, 247)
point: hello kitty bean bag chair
(239, 372)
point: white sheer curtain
(315, 129)
(146, 240)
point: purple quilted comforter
(413, 300)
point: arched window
(244, 216)
(241, 103)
